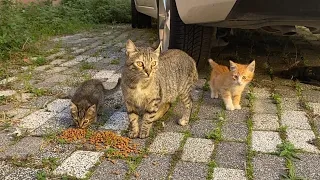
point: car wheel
(139, 20)
(175, 34)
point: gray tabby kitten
(87, 100)
(151, 82)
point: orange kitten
(230, 83)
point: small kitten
(87, 100)
(230, 83)
(151, 82)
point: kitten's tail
(113, 90)
(212, 63)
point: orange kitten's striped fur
(230, 83)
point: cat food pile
(101, 140)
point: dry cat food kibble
(101, 140)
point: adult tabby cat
(230, 83)
(150, 82)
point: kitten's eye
(139, 64)
(153, 63)
(235, 77)
(244, 77)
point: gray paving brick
(5, 169)
(265, 122)
(78, 164)
(265, 141)
(38, 102)
(57, 61)
(118, 121)
(234, 131)
(208, 112)
(308, 166)
(155, 166)
(4, 141)
(114, 171)
(311, 95)
(18, 113)
(59, 105)
(36, 119)
(22, 173)
(238, 115)
(268, 167)
(295, 119)
(43, 67)
(25, 147)
(171, 124)
(190, 171)
(231, 155)
(290, 104)
(228, 174)
(7, 80)
(104, 74)
(201, 128)
(197, 150)
(264, 106)
(167, 142)
(7, 93)
(300, 139)
(261, 93)
(315, 107)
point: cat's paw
(230, 108)
(133, 134)
(237, 106)
(144, 134)
(214, 96)
(183, 121)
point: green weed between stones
(115, 61)
(86, 65)
(41, 175)
(211, 166)
(51, 163)
(277, 100)
(250, 153)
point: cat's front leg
(187, 101)
(149, 116)
(236, 101)
(134, 124)
(226, 96)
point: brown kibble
(115, 172)
(136, 175)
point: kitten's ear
(233, 66)
(158, 50)
(252, 66)
(91, 112)
(131, 48)
(73, 108)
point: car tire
(193, 39)
(139, 20)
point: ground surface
(217, 144)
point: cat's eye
(244, 77)
(139, 64)
(153, 63)
(235, 76)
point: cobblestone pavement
(217, 144)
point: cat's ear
(91, 112)
(158, 50)
(73, 108)
(131, 48)
(252, 66)
(233, 66)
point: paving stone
(308, 166)
(295, 119)
(56, 70)
(201, 128)
(315, 107)
(70, 63)
(300, 138)
(43, 67)
(22, 173)
(197, 150)
(104, 74)
(196, 95)
(288, 104)
(25, 147)
(114, 171)
(265, 141)
(38, 102)
(78, 164)
(155, 166)
(208, 112)
(23, 97)
(35, 119)
(234, 131)
(58, 105)
(268, 167)
(265, 122)
(167, 142)
(190, 171)
(5, 169)
(57, 61)
(228, 174)
(53, 56)
(79, 51)
(311, 95)
(7, 93)
(171, 123)
(7, 80)
(264, 106)
(56, 78)
(4, 141)
(118, 121)
(94, 59)
(237, 116)
(231, 155)
(261, 93)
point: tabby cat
(151, 82)
(87, 100)
(230, 83)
